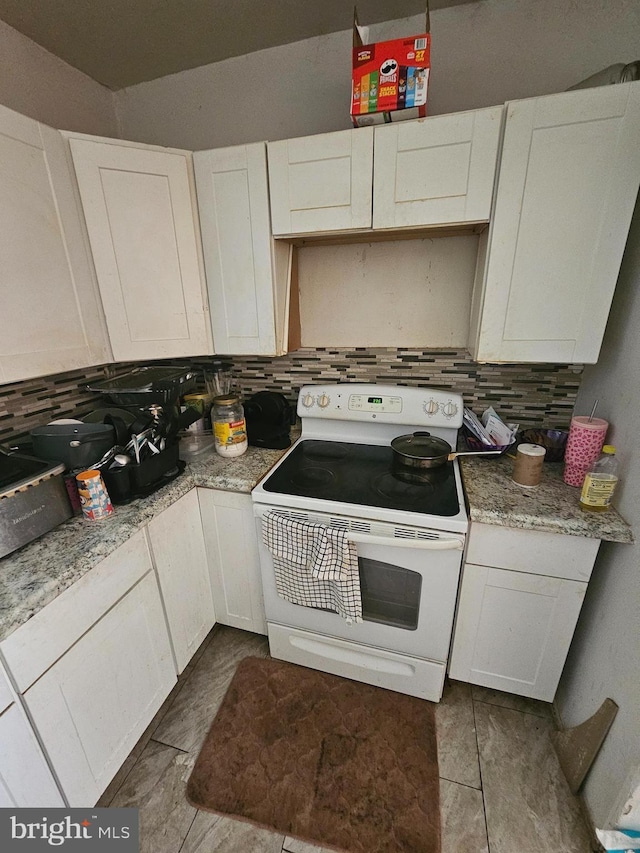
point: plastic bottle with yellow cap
(600, 482)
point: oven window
(390, 594)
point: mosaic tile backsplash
(25, 405)
(533, 395)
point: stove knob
(450, 409)
(431, 407)
(323, 401)
(307, 401)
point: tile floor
(501, 789)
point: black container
(137, 481)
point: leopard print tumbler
(584, 444)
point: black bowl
(554, 441)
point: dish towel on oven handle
(314, 565)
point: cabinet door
(181, 563)
(569, 176)
(234, 562)
(25, 778)
(436, 171)
(233, 201)
(93, 704)
(321, 183)
(513, 630)
(51, 318)
(139, 208)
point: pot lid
(421, 445)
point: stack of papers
(492, 431)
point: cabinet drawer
(36, 645)
(533, 551)
(413, 676)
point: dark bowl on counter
(474, 444)
(554, 441)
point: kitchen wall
(482, 54)
(38, 84)
(409, 293)
(605, 656)
(530, 394)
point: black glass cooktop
(363, 474)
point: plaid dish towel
(314, 565)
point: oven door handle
(423, 544)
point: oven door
(408, 579)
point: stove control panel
(375, 403)
(447, 407)
(420, 408)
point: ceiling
(123, 42)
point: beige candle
(527, 469)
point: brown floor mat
(331, 761)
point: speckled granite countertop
(553, 507)
(34, 575)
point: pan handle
(453, 456)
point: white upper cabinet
(139, 205)
(51, 318)
(247, 271)
(321, 183)
(436, 171)
(569, 176)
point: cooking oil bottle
(600, 482)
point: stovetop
(363, 475)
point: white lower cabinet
(516, 618)
(180, 558)
(234, 562)
(94, 666)
(25, 779)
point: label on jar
(597, 491)
(227, 434)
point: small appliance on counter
(268, 416)
(33, 499)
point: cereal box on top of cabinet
(389, 79)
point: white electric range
(409, 531)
